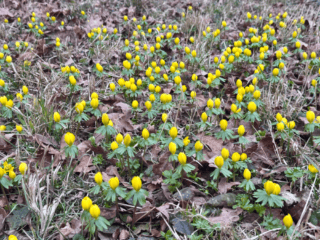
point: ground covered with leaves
(159, 119)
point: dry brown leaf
(3, 215)
(5, 12)
(163, 164)
(124, 235)
(225, 186)
(71, 229)
(164, 210)
(227, 217)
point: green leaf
(5, 182)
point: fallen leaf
(227, 216)
(124, 235)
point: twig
(276, 229)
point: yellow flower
(127, 140)
(256, 94)
(194, 53)
(114, 145)
(219, 161)
(79, 108)
(241, 130)
(198, 146)
(164, 117)
(224, 24)
(7, 167)
(247, 174)
(23, 167)
(204, 117)
(145, 134)
(234, 108)
(217, 103)
(12, 175)
(277, 189)
(235, 157)
(69, 138)
(19, 128)
(310, 116)
(2, 172)
(136, 183)
(291, 124)
(9, 104)
(12, 237)
(72, 80)
(252, 107)
(95, 211)
(105, 119)
(56, 117)
(94, 103)
(148, 105)
(86, 203)
(298, 44)
(280, 126)
(119, 138)
(182, 158)
(186, 141)
(187, 50)
(98, 178)
(225, 153)
(243, 156)
(172, 148)
(269, 187)
(114, 183)
(99, 67)
(173, 132)
(287, 221)
(2, 128)
(210, 103)
(25, 90)
(249, 15)
(312, 168)
(223, 124)
(112, 87)
(2, 83)
(314, 82)
(193, 94)
(313, 55)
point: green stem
(134, 213)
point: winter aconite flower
(94, 211)
(19, 128)
(235, 157)
(114, 146)
(225, 153)
(127, 140)
(173, 132)
(12, 237)
(98, 178)
(219, 162)
(136, 183)
(247, 174)
(287, 221)
(69, 138)
(269, 187)
(182, 158)
(310, 116)
(172, 148)
(86, 203)
(186, 141)
(145, 134)
(94, 103)
(114, 183)
(56, 117)
(277, 189)
(312, 168)
(23, 167)
(252, 107)
(223, 124)
(198, 146)
(241, 130)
